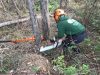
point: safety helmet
(58, 13)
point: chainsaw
(52, 46)
(42, 49)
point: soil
(25, 51)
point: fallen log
(20, 20)
(14, 21)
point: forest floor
(25, 60)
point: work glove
(43, 38)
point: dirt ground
(23, 54)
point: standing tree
(34, 23)
(45, 18)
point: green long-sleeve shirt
(67, 26)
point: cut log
(14, 21)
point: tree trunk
(45, 18)
(34, 23)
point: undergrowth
(70, 70)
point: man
(72, 29)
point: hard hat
(58, 13)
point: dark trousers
(76, 39)
(68, 43)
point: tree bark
(45, 18)
(34, 23)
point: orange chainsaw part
(24, 39)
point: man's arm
(60, 35)
(61, 31)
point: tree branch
(14, 21)
(18, 11)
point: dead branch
(17, 9)
(18, 21)
(14, 21)
(3, 5)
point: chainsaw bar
(56, 44)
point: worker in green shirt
(72, 29)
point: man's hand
(52, 41)
(55, 40)
(43, 38)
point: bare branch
(14, 21)
(18, 11)
(3, 5)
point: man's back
(69, 26)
